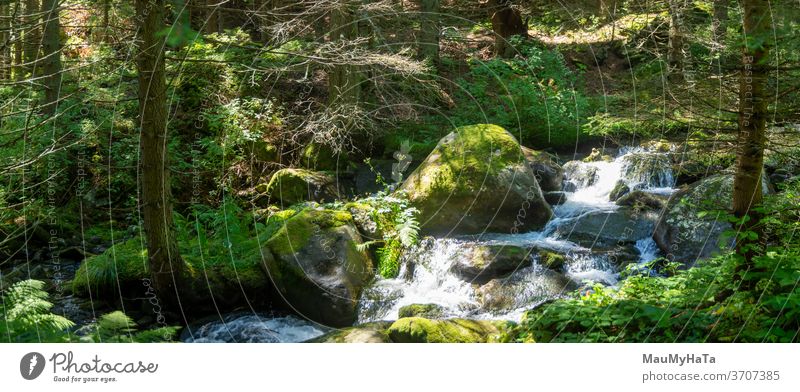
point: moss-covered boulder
(430, 311)
(685, 237)
(476, 180)
(480, 263)
(547, 169)
(290, 186)
(421, 330)
(317, 267)
(375, 332)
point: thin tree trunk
(720, 22)
(428, 45)
(51, 67)
(166, 266)
(675, 50)
(33, 38)
(5, 42)
(344, 81)
(212, 19)
(16, 33)
(747, 187)
(506, 22)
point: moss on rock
(430, 311)
(477, 179)
(422, 330)
(317, 266)
(551, 260)
(290, 186)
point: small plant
(26, 316)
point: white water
(251, 328)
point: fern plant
(26, 316)
(117, 327)
(397, 221)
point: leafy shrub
(534, 95)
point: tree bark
(16, 33)
(428, 45)
(344, 81)
(166, 266)
(675, 50)
(33, 38)
(51, 67)
(753, 112)
(506, 22)
(5, 41)
(720, 23)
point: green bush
(534, 95)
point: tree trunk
(747, 187)
(16, 34)
(428, 45)
(675, 50)
(344, 81)
(720, 23)
(5, 42)
(166, 266)
(506, 22)
(33, 38)
(212, 19)
(51, 67)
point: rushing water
(253, 328)
(427, 275)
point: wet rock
(480, 263)
(579, 175)
(546, 168)
(620, 189)
(555, 198)
(524, 289)
(477, 180)
(552, 260)
(317, 267)
(639, 200)
(601, 229)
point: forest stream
(427, 276)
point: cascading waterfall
(427, 276)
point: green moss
(294, 185)
(430, 311)
(551, 260)
(465, 157)
(421, 330)
(125, 261)
(297, 230)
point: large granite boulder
(477, 180)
